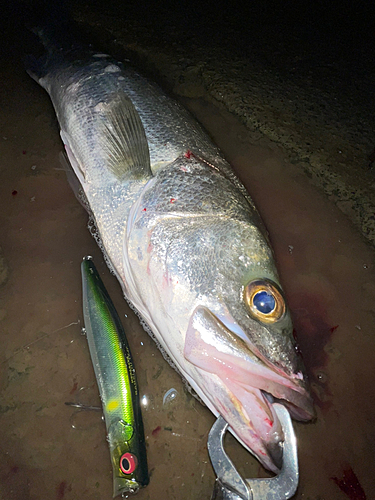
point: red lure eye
(128, 463)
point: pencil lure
(115, 375)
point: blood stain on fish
(14, 192)
(350, 485)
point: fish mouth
(248, 385)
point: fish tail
(48, 34)
(57, 32)
(35, 66)
(53, 24)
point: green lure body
(115, 375)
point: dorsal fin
(124, 139)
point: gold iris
(264, 300)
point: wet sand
(49, 450)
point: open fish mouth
(247, 382)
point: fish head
(241, 332)
(208, 284)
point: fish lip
(290, 390)
(296, 397)
(298, 379)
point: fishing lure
(115, 375)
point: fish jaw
(211, 347)
(243, 417)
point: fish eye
(264, 300)
(128, 463)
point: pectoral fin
(123, 139)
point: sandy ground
(49, 450)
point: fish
(117, 382)
(185, 240)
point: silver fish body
(185, 241)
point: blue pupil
(264, 302)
